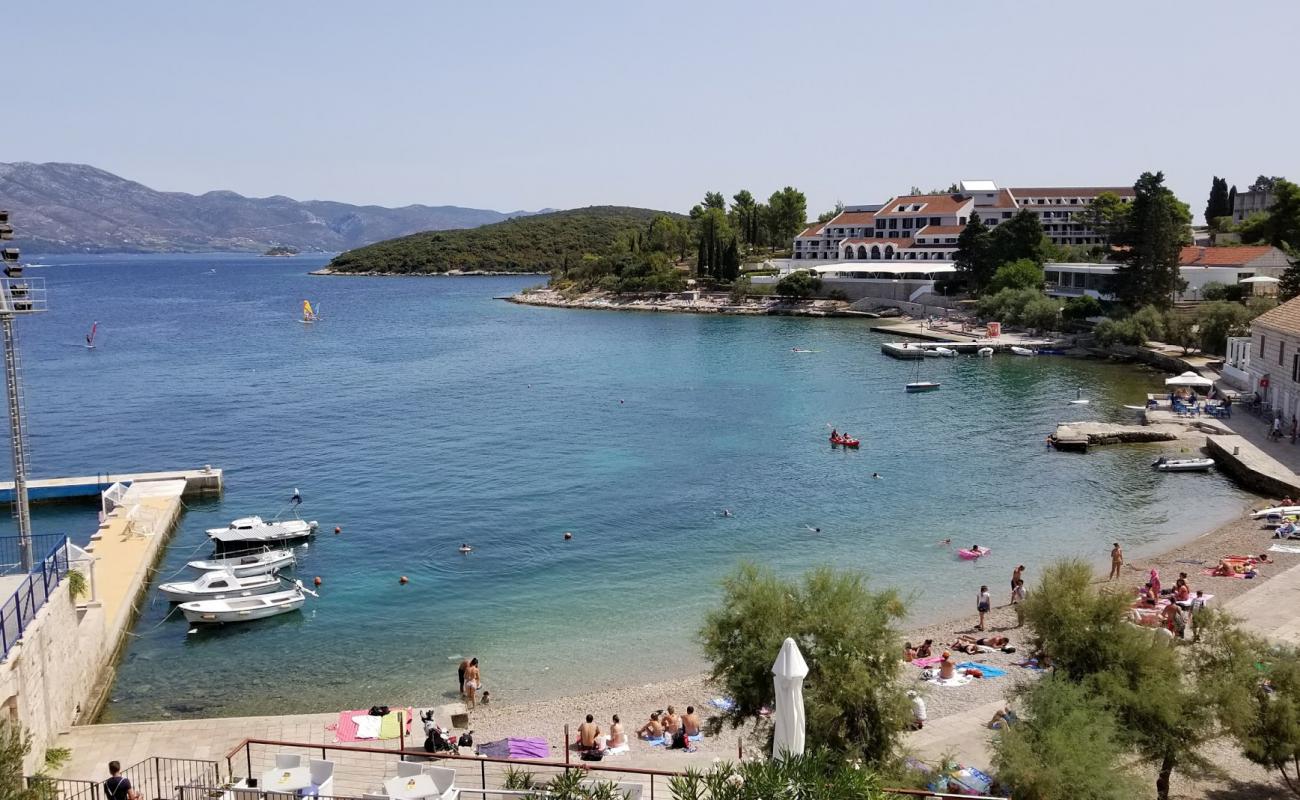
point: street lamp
(19, 296)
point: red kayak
(843, 442)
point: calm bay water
(421, 413)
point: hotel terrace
(925, 227)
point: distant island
(543, 243)
(77, 208)
(281, 250)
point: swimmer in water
(814, 530)
(876, 475)
(946, 542)
(726, 512)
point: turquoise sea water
(421, 413)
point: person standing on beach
(1116, 561)
(982, 604)
(1015, 576)
(473, 681)
(460, 672)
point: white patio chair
(322, 776)
(445, 780)
(407, 769)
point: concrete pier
(1252, 467)
(197, 482)
(1078, 436)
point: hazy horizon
(520, 107)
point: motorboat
(244, 609)
(984, 352)
(920, 386)
(1276, 511)
(946, 352)
(933, 352)
(844, 441)
(220, 585)
(1023, 351)
(1182, 464)
(251, 564)
(255, 531)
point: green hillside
(538, 243)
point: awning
(1259, 279)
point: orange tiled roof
(1071, 191)
(1221, 256)
(941, 230)
(811, 230)
(932, 204)
(1285, 317)
(853, 219)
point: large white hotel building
(925, 227)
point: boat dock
(207, 480)
(916, 350)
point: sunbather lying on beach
(968, 644)
(1003, 718)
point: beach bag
(378, 711)
(592, 755)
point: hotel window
(1006, 215)
(880, 224)
(1261, 346)
(936, 221)
(893, 223)
(1281, 352)
(907, 224)
(1295, 368)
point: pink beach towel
(345, 729)
(925, 663)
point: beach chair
(287, 760)
(322, 776)
(445, 779)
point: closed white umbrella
(1189, 378)
(1260, 279)
(788, 673)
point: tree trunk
(1162, 780)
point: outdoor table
(411, 787)
(285, 780)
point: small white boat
(251, 564)
(244, 609)
(921, 386)
(1276, 511)
(932, 352)
(946, 352)
(220, 585)
(984, 352)
(1136, 408)
(1023, 351)
(253, 530)
(1182, 464)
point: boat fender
(402, 580)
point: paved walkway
(1272, 612)
(1255, 430)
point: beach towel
(1242, 575)
(926, 662)
(1285, 548)
(516, 747)
(726, 703)
(366, 726)
(957, 680)
(1029, 663)
(989, 672)
(391, 727)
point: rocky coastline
(687, 303)
(455, 273)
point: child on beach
(982, 604)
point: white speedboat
(946, 352)
(933, 352)
(220, 585)
(921, 386)
(255, 531)
(243, 609)
(1023, 351)
(1182, 464)
(984, 352)
(251, 564)
(1276, 511)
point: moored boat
(255, 531)
(984, 352)
(921, 386)
(251, 564)
(946, 352)
(1182, 464)
(244, 609)
(1023, 351)
(220, 585)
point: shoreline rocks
(686, 303)
(455, 273)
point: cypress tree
(1232, 199)
(1217, 206)
(1149, 244)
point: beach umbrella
(788, 673)
(1191, 379)
(1260, 279)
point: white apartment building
(1250, 202)
(1273, 363)
(1197, 266)
(925, 227)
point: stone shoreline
(685, 303)
(455, 273)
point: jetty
(917, 350)
(206, 480)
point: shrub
(837, 294)
(1040, 313)
(854, 703)
(1082, 307)
(1215, 290)
(1151, 322)
(799, 284)
(1022, 274)
(816, 774)
(1006, 305)
(1215, 322)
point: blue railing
(11, 555)
(20, 609)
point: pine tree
(973, 258)
(1149, 243)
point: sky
(562, 104)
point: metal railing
(21, 607)
(156, 778)
(242, 793)
(51, 788)
(11, 554)
(360, 770)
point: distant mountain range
(71, 208)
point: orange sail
(308, 315)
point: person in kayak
(834, 434)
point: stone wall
(47, 677)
